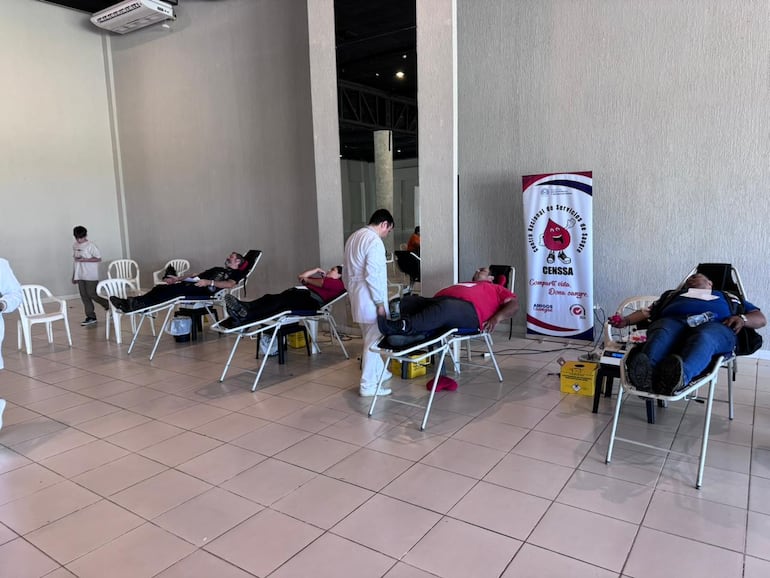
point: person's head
(382, 222)
(698, 281)
(417, 230)
(483, 274)
(335, 272)
(80, 232)
(234, 261)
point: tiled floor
(116, 466)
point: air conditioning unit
(132, 15)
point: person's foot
(670, 376)
(88, 321)
(639, 370)
(392, 327)
(369, 391)
(236, 309)
(120, 304)
(2, 409)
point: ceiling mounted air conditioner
(132, 15)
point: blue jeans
(695, 345)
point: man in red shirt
(479, 304)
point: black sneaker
(639, 370)
(670, 376)
(120, 304)
(235, 309)
(88, 321)
(392, 327)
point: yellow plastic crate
(412, 369)
(296, 340)
(579, 377)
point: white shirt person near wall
(10, 299)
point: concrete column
(326, 131)
(383, 175)
(437, 119)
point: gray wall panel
(666, 102)
(216, 135)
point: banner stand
(558, 221)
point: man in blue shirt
(675, 352)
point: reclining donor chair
(271, 327)
(206, 304)
(724, 278)
(438, 345)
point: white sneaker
(369, 391)
(2, 409)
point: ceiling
(375, 40)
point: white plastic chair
(125, 269)
(121, 288)
(615, 337)
(181, 266)
(32, 311)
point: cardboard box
(296, 340)
(579, 377)
(412, 369)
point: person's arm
(632, 318)
(96, 256)
(224, 284)
(753, 319)
(377, 275)
(507, 310)
(307, 278)
(10, 289)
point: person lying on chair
(318, 288)
(200, 286)
(677, 348)
(479, 304)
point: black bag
(747, 341)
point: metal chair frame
(689, 393)
(272, 325)
(439, 345)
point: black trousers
(290, 300)
(161, 293)
(428, 314)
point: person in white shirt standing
(365, 275)
(10, 299)
(85, 273)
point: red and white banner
(558, 216)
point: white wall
(216, 137)
(666, 102)
(56, 166)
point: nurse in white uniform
(366, 278)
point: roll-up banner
(558, 215)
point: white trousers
(371, 363)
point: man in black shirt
(200, 286)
